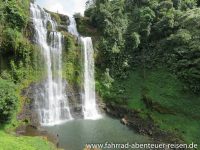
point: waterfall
(72, 27)
(89, 98)
(51, 102)
(89, 105)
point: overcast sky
(68, 7)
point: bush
(9, 44)
(8, 100)
(6, 75)
(15, 15)
(14, 44)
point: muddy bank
(143, 126)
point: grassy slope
(181, 113)
(10, 142)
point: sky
(68, 7)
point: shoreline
(131, 119)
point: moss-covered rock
(61, 20)
(85, 28)
(72, 60)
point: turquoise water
(75, 134)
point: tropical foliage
(148, 34)
(8, 100)
(148, 60)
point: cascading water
(72, 27)
(89, 98)
(90, 110)
(50, 101)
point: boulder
(124, 121)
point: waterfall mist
(51, 101)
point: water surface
(73, 135)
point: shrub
(8, 100)
(6, 75)
(14, 44)
(9, 43)
(15, 15)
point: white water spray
(89, 105)
(50, 101)
(90, 110)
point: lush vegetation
(148, 59)
(8, 103)
(19, 59)
(17, 53)
(72, 68)
(148, 34)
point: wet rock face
(64, 19)
(64, 22)
(75, 101)
(61, 20)
(29, 112)
(29, 31)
